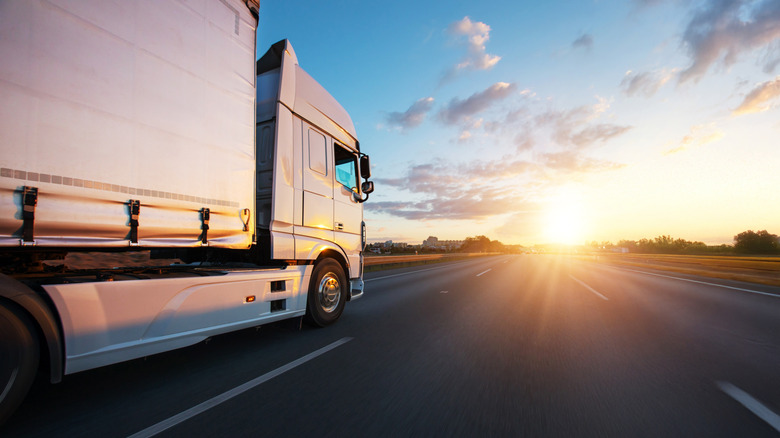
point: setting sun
(565, 219)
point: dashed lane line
(751, 404)
(225, 396)
(484, 272)
(589, 288)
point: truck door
(317, 183)
(347, 212)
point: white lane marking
(225, 396)
(588, 287)
(703, 282)
(444, 292)
(751, 404)
(408, 273)
(485, 272)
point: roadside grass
(752, 269)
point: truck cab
(309, 167)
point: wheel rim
(11, 380)
(9, 357)
(329, 292)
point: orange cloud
(758, 99)
(699, 135)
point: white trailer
(149, 126)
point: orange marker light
(250, 299)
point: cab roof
(304, 96)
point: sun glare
(564, 218)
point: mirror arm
(358, 199)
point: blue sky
(558, 121)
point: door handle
(339, 226)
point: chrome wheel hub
(329, 292)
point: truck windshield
(346, 165)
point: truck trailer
(151, 128)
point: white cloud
(480, 189)
(473, 190)
(523, 142)
(600, 132)
(585, 41)
(575, 127)
(646, 83)
(724, 29)
(477, 34)
(573, 161)
(771, 58)
(460, 111)
(412, 117)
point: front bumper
(356, 288)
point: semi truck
(151, 129)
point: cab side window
(346, 167)
(318, 152)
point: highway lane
(509, 345)
(715, 331)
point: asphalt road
(502, 346)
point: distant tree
(664, 245)
(481, 244)
(751, 242)
(631, 245)
(475, 244)
(720, 249)
(604, 245)
(696, 248)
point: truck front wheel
(18, 359)
(328, 291)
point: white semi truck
(132, 126)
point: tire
(328, 291)
(19, 357)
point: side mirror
(367, 187)
(365, 167)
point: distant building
(433, 242)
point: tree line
(746, 242)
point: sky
(553, 122)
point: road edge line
(413, 272)
(699, 282)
